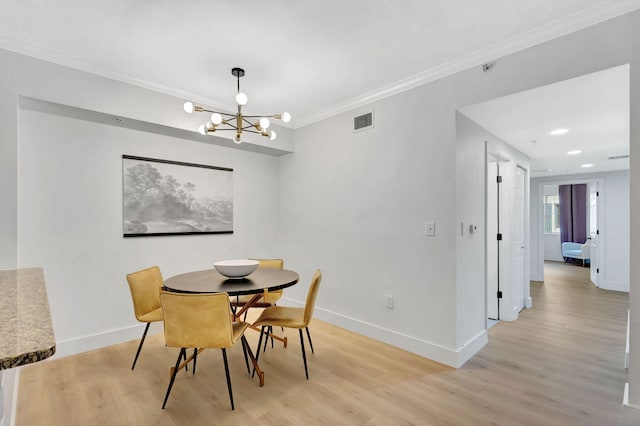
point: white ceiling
(594, 108)
(312, 58)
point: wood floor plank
(560, 363)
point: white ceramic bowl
(236, 268)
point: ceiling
(594, 108)
(311, 58)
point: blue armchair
(576, 251)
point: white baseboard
(472, 347)
(106, 338)
(625, 396)
(9, 396)
(451, 357)
(528, 303)
(14, 398)
(615, 286)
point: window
(551, 214)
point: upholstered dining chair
(201, 321)
(271, 298)
(145, 288)
(283, 316)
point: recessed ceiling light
(587, 165)
(574, 152)
(557, 132)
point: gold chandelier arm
(258, 133)
(260, 116)
(215, 112)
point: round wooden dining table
(211, 281)
(262, 280)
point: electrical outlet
(389, 304)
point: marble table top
(26, 332)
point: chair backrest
(271, 263)
(145, 288)
(586, 250)
(197, 320)
(311, 296)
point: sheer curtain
(573, 213)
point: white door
(594, 233)
(518, 241)
(492, 244)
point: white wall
(70, 219)
(614, 234)
(24, 76)
(472, 141)
(357, 202)
(634, 178)
(552, 248)
(357, 205)
(617, 219)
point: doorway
(493, 242)
(506, 238)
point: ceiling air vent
(363, 122)
(618, 157)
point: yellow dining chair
(145, 288)
(272, 296)
(282, 316)
(201, 321)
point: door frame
(508, 165)
(539, 268)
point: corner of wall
(472, 347)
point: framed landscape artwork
(163, 197)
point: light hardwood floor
(560, 363)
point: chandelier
(238, 122)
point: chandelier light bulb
(237, 138)
(202, 129)
(286, 117)
(241, 98)
(188, 107)
(272, 135)
(216, 118)
(264, 123)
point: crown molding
(539, 35)
(588, 17)
(63, 59)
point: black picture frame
(165, 197)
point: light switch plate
(431, 229)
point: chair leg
(244, 351)
(183, 351)
(140, 345)
(195, 359)
(184, 356)
(266, 340)
(304, 355)
(310, 342)
(226, 370)
(258, 351)
(248, 349)
(271, 333)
